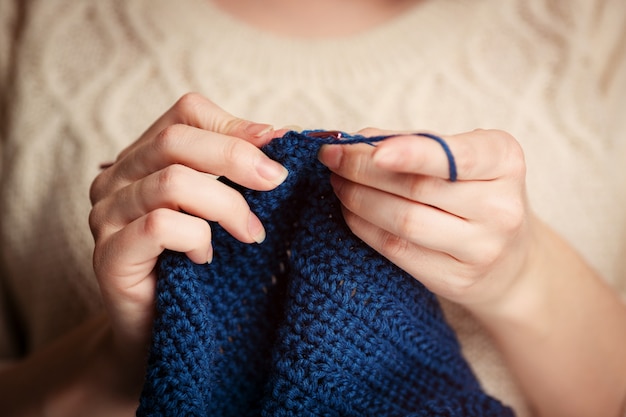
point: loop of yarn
(446, 148)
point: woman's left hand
(467, 241)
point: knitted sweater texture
(312, 322)
(80, 80)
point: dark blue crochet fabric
(312, 322)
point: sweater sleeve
(8, 30)
(9, 349)
(10, 10)
(609, 37)
(8, 18)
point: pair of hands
(466, 241)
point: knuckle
(188, 103)
(515, 160)
(359, 164)
(512, 217)
(98, 187)
(155, 223)
(419, 186)
(94, 189)
(407, 223)
(236, 205)
(484, 256)
(465, 160)
(416, 186)
(234, 150)
(169, 176)
(350, 196)
(507, 214)
(169, 180)
(102, 260)
(95, 220)
(169, 138)
(512, 153)
(203, 229)
(353, 165)
(393, 247)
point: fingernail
(272, 171)
(209, 257)
(255, 228)
(258, 130)
(331, 155)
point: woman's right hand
(158, 195)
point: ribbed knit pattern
(312, 322)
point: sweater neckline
(223, 15)
(384, 49)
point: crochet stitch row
(312, 322)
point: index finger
(476, 155)
(195, 110)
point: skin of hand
(476, 242)
(158, 195)
(459, 239)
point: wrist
(557, 328)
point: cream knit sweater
(80, 80)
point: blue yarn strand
(446, 149)
(346, 139)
